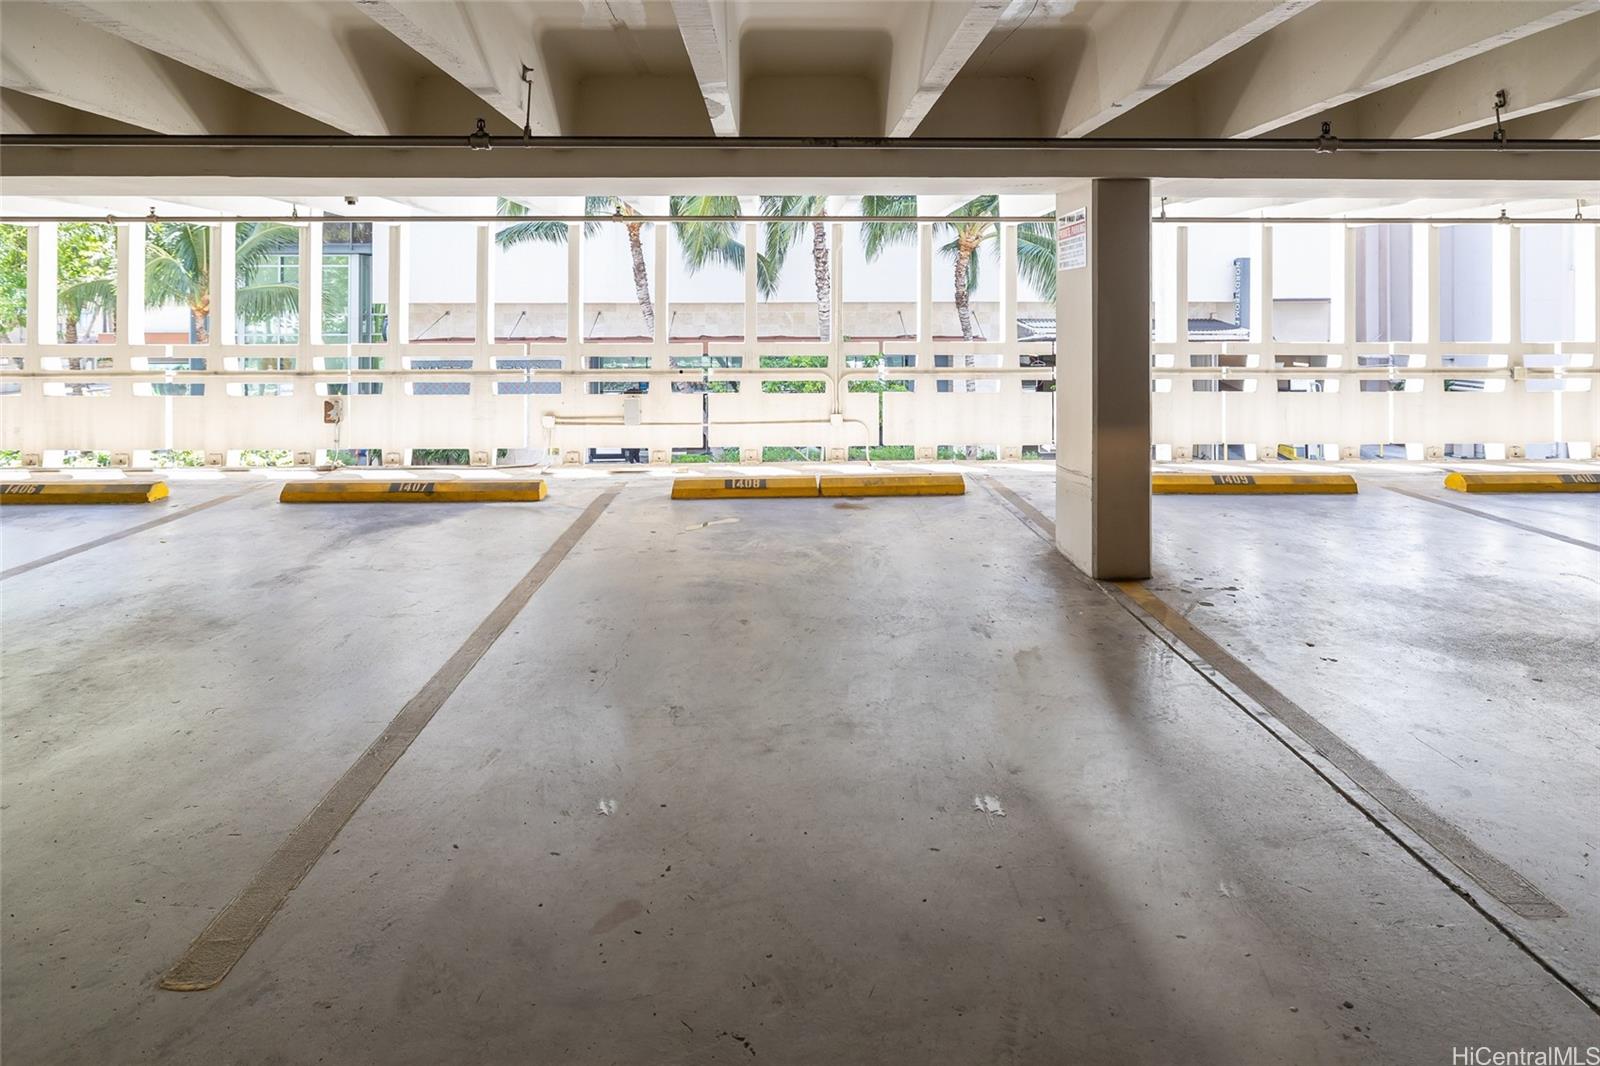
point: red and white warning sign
(1072, 239)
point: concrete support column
(483, 300)
(752, 291)
(1103, 380)
(43, 283)
(399, 286)
(574, 287)
(130, 284)
(214, 282)
(310, 290)
(224, 302)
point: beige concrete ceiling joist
(1575, 122)
(932, 42)
(1130, 52)
(485, 47)
(710, 36)
(1546, 70)
(51, 56)
(1335, 52)
(21, 113)
(320, 58)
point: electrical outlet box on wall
(1434, 451)
(925, 453)
(480, 458)
(1180, 453)
(1011, 453)
(121, 459)
(1516, 451)
(749, 455)
(302, 458)
(216, 458)
(836, 455)
(572, 458)
(392, 459)
(1348, 452)
(31, 459)
(661, 456)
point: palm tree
(86, 269)
(972, 226)
(783, 235)
(258, 297)
(543, 230)
(177, 270)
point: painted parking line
(1503, 520)
(229, 935)
(170, 516)
(1505, 884)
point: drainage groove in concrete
(229, 935)
(170, 516)
(1516, 892)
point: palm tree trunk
(819, 263)
(199, 324)
(963, 305)
(641, 280)
(70, 334)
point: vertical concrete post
(483, 299)
(752, 234)
(574, 291)
(43, 283)
(310, 290)
(224, 302)
(130, 284)
(214, 282)
(1103, 378)
(399, 288)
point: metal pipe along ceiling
(734, 144)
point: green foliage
(440, 457)
(885, 451)
(791, 455)
(178, 457)
(714, 455)
(706, 243)
(794, 362)
(77, 459)
(177, 270)
(86, 274)
(266, 457)
(10, 457)
(13, 279)
(794, 386)
(263, 292)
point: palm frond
(1036, 257)
(705, 243)
(876, 236)
(259, 241)
(91, 292)
(262, 303)
(539, 231)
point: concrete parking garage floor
(802, 720)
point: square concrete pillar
(1103, 377)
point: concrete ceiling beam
(1336, 52)
(313, 58)
(710, 36)
(1131, 52)
(21, 113)
(485, 47)
(53, 57)
(1547, 70)
(932, 42)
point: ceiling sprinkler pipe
(480, 140)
